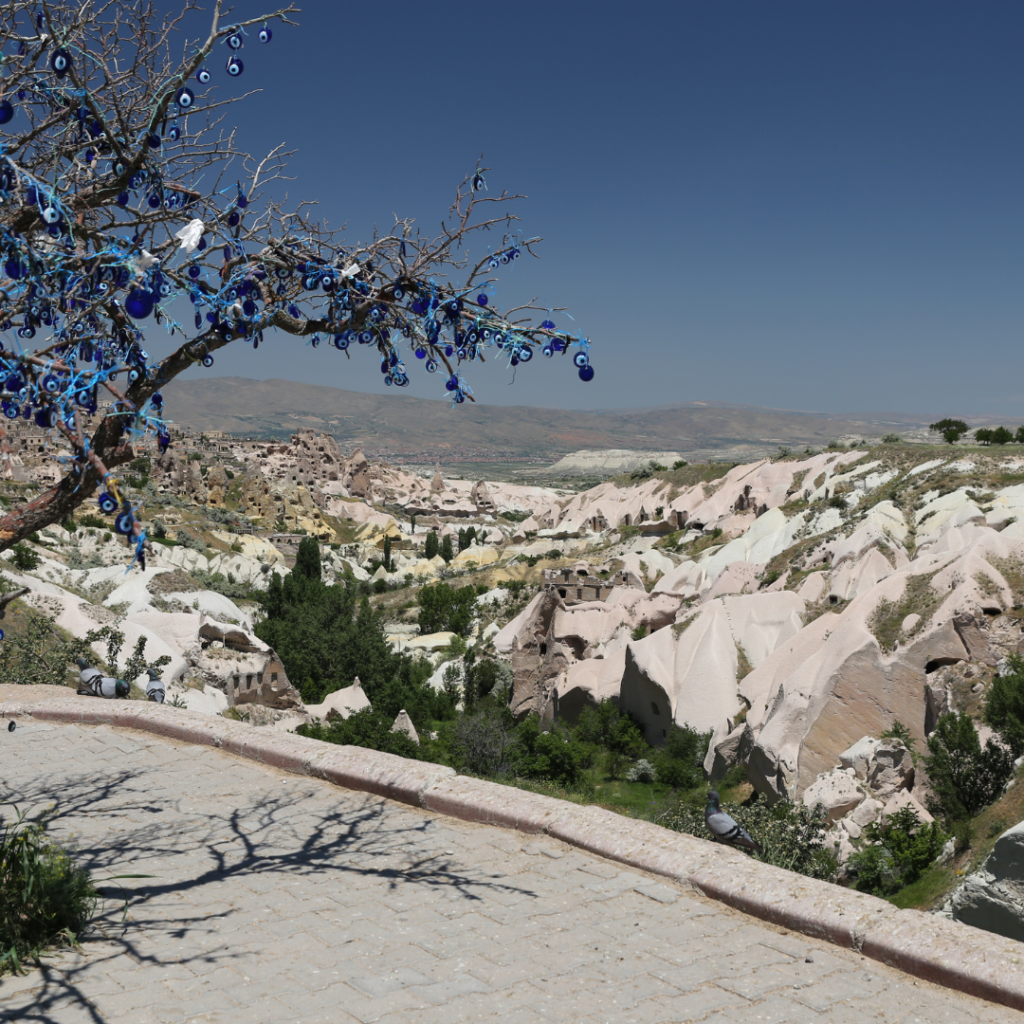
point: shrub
(484, 743)
(1004, 705)
(93, 521)
(23, 558)
(45, 898)
(793, 836)
(365, 728)
(68, 523)
(554, 756)
(679, 464)
(901, 848)
(680, 759)
(642, 771)
(605, 725)
(891, 439)
(965, 777)
(444, 608)
(639, 633)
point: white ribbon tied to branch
(190, 234)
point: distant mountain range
(400, 425)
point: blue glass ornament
(586, 373)
(123, 523)
(451, 384)
(6, 111)
(482, 299)
(241, 201)
(249, 307)
(547, 325)
(139, 304)
(266, 34)
(11, 410)
(185, 97)
(235, 41)
(448, 350)
(207, 361)
(431, 366)
(51, 384)
(233, 219)
(60, 61)
(234, 67)
(153, 141)
(525, 354)
(204, 76)
(580, 359)
(421, 353)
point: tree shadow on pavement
(113, 827)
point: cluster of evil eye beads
(53, 286)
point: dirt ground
(31, 694)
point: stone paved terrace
(280, 898)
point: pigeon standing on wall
(725, 829)
(155, 687)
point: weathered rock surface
(993, 897)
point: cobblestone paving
(279, 898)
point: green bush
(443, 608)
(45, 898)
(1004, 705)
(793, 836)
(900, 849)
(555, 756)
(365, 728)
(680, 759)
(604, 725)
(23, 558)
(965, 778)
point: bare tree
(122, 190)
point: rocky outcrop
(993, 897)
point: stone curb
(945, 952)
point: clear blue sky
(803, 205)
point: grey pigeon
(723, 827)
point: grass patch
(918, 596)
(928, 892)
(46, 900)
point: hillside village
(795, 607)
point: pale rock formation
(341, 703)
(837, 791)
(993, 897)
(403, 723)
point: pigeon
(92, 683)
(155, 687)
(724, 828)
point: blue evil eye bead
(157, 400)
(389, 380)
(11, 410)
(547, 325)
(421, 353)
(123, 523)
(207, 361)
(153, 141)
(266, 34)
(235, 41)
(60, 61)
(482, 299)
(122, 199)
(233, 219)
(139, 304)
(6, 111)
(241, 201)
(431, 366)
(203, 76)
(586, 373)
(525, 354)
(580, 359)
(249, 307)
(235, 67)
(154, 200)
(185, 97)
(478, 182)
(194, 272)
(365, 337)
(448, 350)
(340, 342)
(134, 376)
(28, 331)
(451, 384)
(548, 351)
(51, 384)
(50, 214)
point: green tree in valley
(307, 559)
(951, 430)
(431, 547)
(446, 548)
